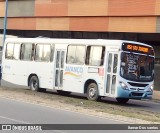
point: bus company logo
(73, 71)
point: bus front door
(59, 68)
(112, 61)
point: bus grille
(139, 89)
(137, 84)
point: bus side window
(26, 51)
(71, 54)
(16, 51)
(43, 52)
(76, 54)
(95, 55)
(46, 53)
(38, 53)
(9, 51)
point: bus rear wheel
(34, 83)
(92, 92)
(122, 100)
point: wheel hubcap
(92, 92)
(34, 84)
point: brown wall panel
(157, 7)
(2, 9)
(52, 23)
(132, 24)
(158, 25)
(51, 8)
(1, 23)
(21, 23)
(87, 7)
(89, 24)
(21, 8)
(131, 7)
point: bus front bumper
(121, 93)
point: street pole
(4, 34)
(5, 22)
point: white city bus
(98, 68)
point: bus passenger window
(27, 51)
(39, 52)
(71, 54)
(46, 52)
(76, 54)
(9, 51)
(16, 51)
(95, 55)
(43, 52)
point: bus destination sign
(137, 48)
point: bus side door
(111, 77)
(59, 68)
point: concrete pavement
(156, 95)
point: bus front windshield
(137, 67)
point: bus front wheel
(34, 83)
(122, 100)
(92, 92)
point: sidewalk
(156, 95)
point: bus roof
(72, 41)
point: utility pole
(5, 22)
(4, 34)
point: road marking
(3, 117)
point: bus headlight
(123, 85)
(150, 89)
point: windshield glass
(137, 67)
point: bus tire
(122, 100)
(34, 83)
(92, 92)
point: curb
(156, 96)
